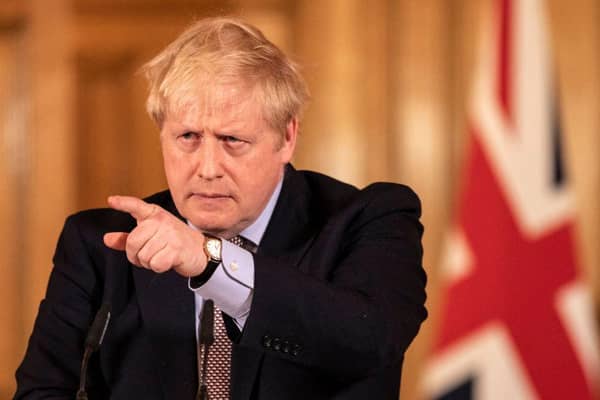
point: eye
(188, 135)
(188, 141)
(232, 139)
(234, 144)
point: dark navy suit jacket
(339, 295)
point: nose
(210, 159)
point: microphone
(92, 343)
(206, 338)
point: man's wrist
(212, 249)
(204, 276)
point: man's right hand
(160, 241)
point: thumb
(116, 240)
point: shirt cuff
(232, 284)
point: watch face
(213, 246)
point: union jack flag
(516, 320)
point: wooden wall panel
(103, 130)
(576, 37)
(145, 159)
(13, 118)
(152, 8)
(50, 191)
(333, 56)
(118, 146)
(346, 130)
(378, 95)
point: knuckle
(158, 267)
(143, 259)
(155, 212)
(159, 263)
(170, 259)
(131, 245)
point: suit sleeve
(356, 300)
(51, 365)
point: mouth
(209, 195)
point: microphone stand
(206, 338)
(92, 343)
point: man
(323, 303)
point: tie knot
(244, 243)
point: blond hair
(216, 52)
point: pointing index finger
(139, 209)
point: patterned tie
(244, 243)
(219, 355)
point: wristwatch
(212, 249)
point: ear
(288, 144)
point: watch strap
(199, 280)
(212, 263)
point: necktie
(219, 355)
(244, 243)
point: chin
(210, 225)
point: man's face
(223, 163)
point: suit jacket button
(276, 344)
(286, 347)
(296, 350)
(266, 341)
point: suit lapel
(289, 232)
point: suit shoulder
(329, 192)
(392, 196)
(336, 195)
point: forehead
(215, 104)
